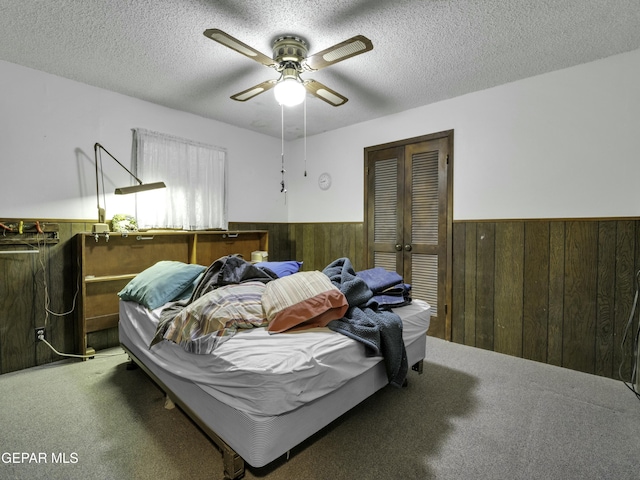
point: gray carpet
(473, 414)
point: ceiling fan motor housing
(289, 48)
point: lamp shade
(143, 187)
(289, 92)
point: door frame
(448, 134)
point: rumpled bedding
(229, 270)
(229, 297)
(216, 316)
(380, 331)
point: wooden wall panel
(470, 282)
(580, 295)
(485, 285)
(16, 328)
(557, 291)
(37, 290)
(509, 282)
(535, 315)
(605, 315)
(458, 302)
(625, 287)
(321, 245)
(308, 255)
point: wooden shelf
(108, 262)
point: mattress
(262, 373)
(263, 394)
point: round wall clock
(324, 181)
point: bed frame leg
(168, 403)
(131, 365)
(417, 367)
(233, 464)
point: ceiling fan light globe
(289, 92)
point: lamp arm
(95, 148)
(101, 211)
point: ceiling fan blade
(249, 93)
(347, 49)
(325, 93)
(240, 47)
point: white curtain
(196, 179)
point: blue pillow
(161, 283)
(282, 269)
(187, 292)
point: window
(196, 179)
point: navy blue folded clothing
(379, 279)
(398, 296)
(388, 288)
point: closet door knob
(407, 247)
(398, 247)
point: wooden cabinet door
(408, 224)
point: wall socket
(40, 331)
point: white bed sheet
(267, 374)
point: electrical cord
(47, 300)
(48, 311)
(631, 385)
(72, 355)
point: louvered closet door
(385, 181)
(407, 223)
(425, 225)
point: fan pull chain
(282, 170)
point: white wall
(560, 145)
(49, 125)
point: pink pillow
(302, 300)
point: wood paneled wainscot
(554, 291)
(108, 263)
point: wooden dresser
(106, 263)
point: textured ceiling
(424, 50)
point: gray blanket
(379, 331)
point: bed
(258, 394)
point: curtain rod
(168, 136)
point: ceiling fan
(290, 60)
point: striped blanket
(216, 316)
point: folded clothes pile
(389, 289)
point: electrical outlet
(40, 332)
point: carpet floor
(472, 414)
